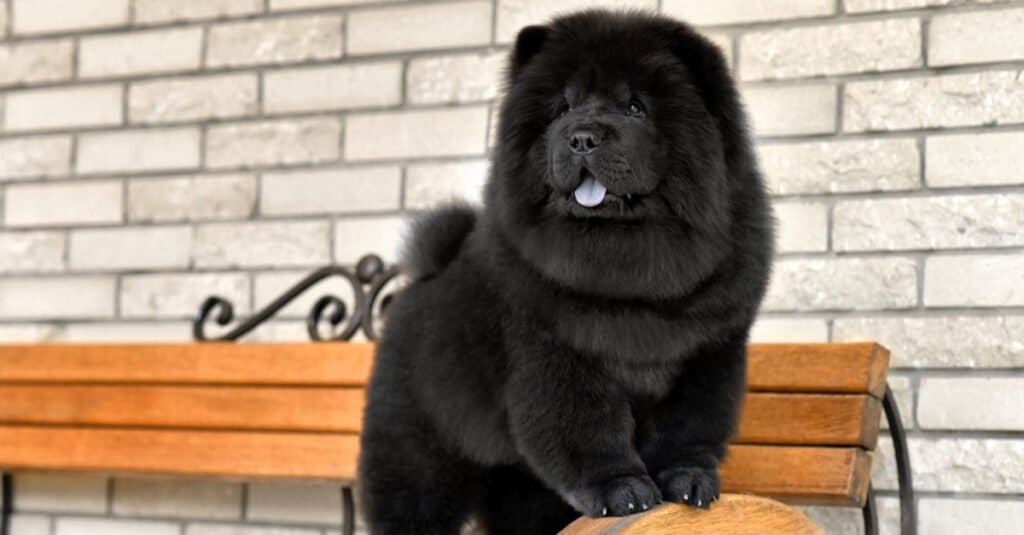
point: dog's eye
(636, 109)
(564, 109)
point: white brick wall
(154, 152)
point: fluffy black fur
(552, 359)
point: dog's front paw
(619, 496)
(690, 485)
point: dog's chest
(644, 380)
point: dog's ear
(710, 72)
(529, 42)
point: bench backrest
(295, 411)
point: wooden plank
(810, 419)
(193, 453)
(856, 368)
(836, 476)
(343, 364)
(767, 418)
(337, 409)
(734, 514)
(799, 474)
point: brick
(182, 99)
(135, 331)
(285, 5)
(974, 159)
(942, 341)
(141, 52)
(831, 49)
(981, 37)
(3, 19)
(963, 221)
(359, 189)
(990, 404)
(162, 11)
(769, 330)
(836, 520)
(515, 14)
(280, 331)
(359, 85)
(269, 143)
(63, 493)
(742, 11)
(413, 134)
(903, 392)
(306, 503)
(125, 151)
(111, 526)
(63, 204)
(30, 525)
(270, 285)
(274, 41)
(130, 248)
(36, 61)
(456, 78)
(983, 98)
(863, 6)
(43, 16)
(430, 184)
(264, 244)
(227, 529)
(35, 157)
(179, 295)
(357, 236)
(802, 227)
(56, 298)
(37, 109)
(792, 110)
(811, 284)
(29, 333)
(31, 251)
(841, 166)
(191, 198)
(956, 516)
(974, 281)
(959, 465)
(421, 27)
(177, 498)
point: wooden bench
(293, 411)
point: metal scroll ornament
(370, 282)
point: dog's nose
(584, 141)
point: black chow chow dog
(578, 346)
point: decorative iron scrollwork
(369, 281)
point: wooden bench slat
(209, 363)
(810, 419)
(198, 453)
(824, 368)
(835, 476)
(317, 409)
(799, 474)
(844, 420)
(856, 368)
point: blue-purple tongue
(590, 193)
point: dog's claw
(604, 511)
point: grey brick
(208, 97)
(142, 52)
(359, 85)
(42, 16)
(274, 41)
(430, 184)
(61, 204)
(32, 157)
(974, 281)
(358, 189)
(177, 498)
(831, 49)
(419, 27)
(263, 244)
(962, 221)
(741, 11)
(57, 108)
(192, 198)
(356, 236)
(30, 524)
(179, 295)
(130, 248)
(982, 37)
(111, 526)
(769, 330)
(954, 341)
(228, 529)
(63, 493)
(269, 143)
(792, 110)
(50, 298)
(991, 404)
(515, 14)
(958, 516)
(32, 251)
(134, 331)
(295, 503)
(122, 151)
(802, 227)
(974, 159)
(162, 11)
(455, 78)
(961, 465)
(810, 284)
(36, 61)
(983, 98)
(841, 166)
(416, 134)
